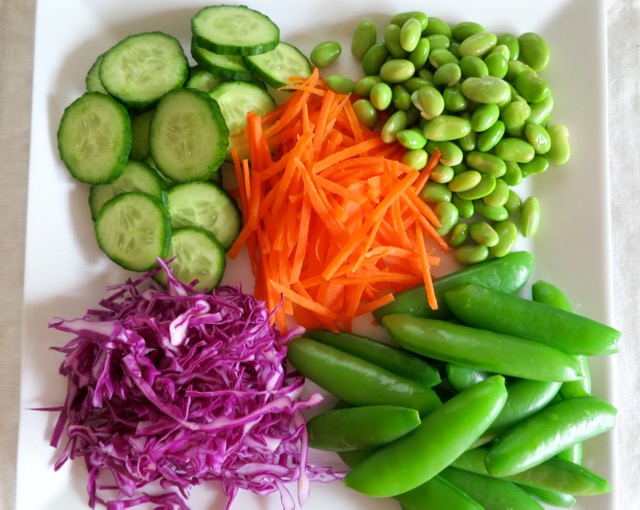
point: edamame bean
(537, 165)
(459, 234)
(499, 213)
(514, 115)
(465, 181)
(363, 86)
(454, 99)
(466, 29)
(513, 205)
(420, 53)
(435, 192)
(364, 36)
(468, 142)
(483, 233)
(437, 26)
(486, 89)
(531, 87)
(439, 41)
(416, 83)
(394, 124)
(473, 67)
(340, 84)
(538, 137)
(484, 116)
(415, 158)
(412, 138)
(401, 99)
(470, 254)
(439, 57)
(366, 112)
(534, 50)
(425, 74)
(374, 58)
(540, 112)
(560, 150)
(392, 41)
(465, 207)
(446, 127)
(486, 185)
(446, 75)
(429, 101)
(529, 217)
(488, 139)
(402, 17)
(514, 149)
(499, 196)
(325, 53)
(515, 68)
(511, 42)
(478, 45)
(507, 238)
(380, 96)
(442, 173)
(486, 163)
(513, 175)
(497, 64)
(501, 49)
(410, 34)
(397, 70)
(447, 215)
(450, 153)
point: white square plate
(66, 273)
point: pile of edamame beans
(474, 95)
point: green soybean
(486, 185)
(483, 233)
(489, 138)
(401, 18)
(515, 67)
(514, 149)
(438, 41)
(470, 254)
(420, 54)
(441, 56)
(450, 153)
(498, 213)
(538, 136)
(429, 101)
(465, 181)
(478, 45)
(363, 86)
(381, 96)
(415, 83)
(537, 165)
(442, 173)
(534, 50)
(468, 142)
(397, 70)
(484, 116)
(434, 192)
(465, 207)
(364, 36)
(513, 175)
(514, 115)
(531, 86)
(410, 34)
(366, 112)
(447, 215)
(401, 99)
(507, 238)
(499, 196)
(513, 205)
(438, 26)
(465, 29)
(374, 58)
(392, 41)
(325, 53)
(340, 84)
(473, 67)
(529, 217)
(459, 234)
(411, 138)
(446, 127)
(447, 74)
(454, 100)
(511, 42)
(541, 112)
(497, 64)
(560, 150)
(415, 158)
(486, 89)
(501, 49)
(394, 124)
(486, 163)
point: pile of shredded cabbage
(177, 387)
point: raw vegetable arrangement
(345, 193)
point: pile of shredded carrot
(333, 221)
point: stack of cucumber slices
(153, 129)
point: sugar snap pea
(461, 377)
(552, 498)
(441, 437)
(481, 307)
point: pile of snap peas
(466, 408)
(476, 96)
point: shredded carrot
(333, 221)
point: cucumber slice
(195, 254)
(94, 138)
(227, 67)
(134, 229)
(92, 80)
(208, 206)
(140, 135)
(136, 176)
(234, 30)
(277, 67)
(141, 68)
(188, 137)
(236, 99)
(203, 80)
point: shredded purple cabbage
(177, 387)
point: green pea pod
(389, 357)
(355, 380)
(552, 498)
(554, 474)
(439, 494)
(480, 349)
(440, 438)
(509, 274)
(551, 430)
(360, 427)
(572, 454)
(481, 307)
(491, 493)
(460, 378)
